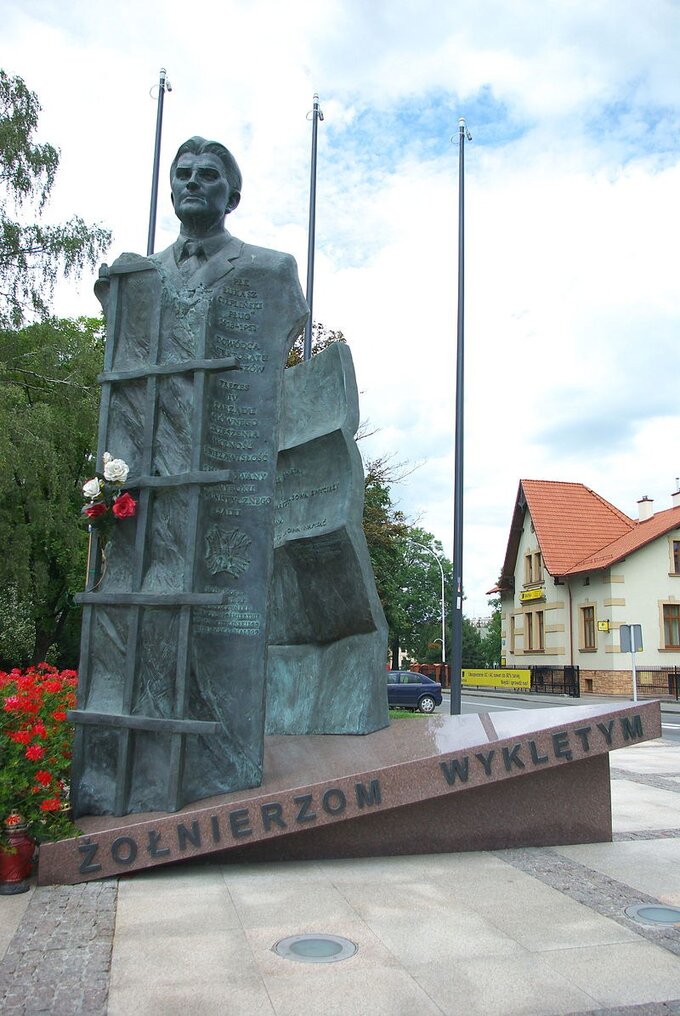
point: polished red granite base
(440, 783)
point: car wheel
(426, 704)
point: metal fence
(556, 681)
(544, 680)
(658, 682)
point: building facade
(576, 569)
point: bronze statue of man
(206, 186)
(244, 575)
(176, 629)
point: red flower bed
(35, 748)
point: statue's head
(206, 183)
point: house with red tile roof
(576, 568)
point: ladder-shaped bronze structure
(142, 479)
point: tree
(420, 592)
(33, 255)
(473, 650)
(322, 338)
(48, 423)
(491, 641)
(384, 528)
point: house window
(671, 625)
(539, 631)
(533, 568)
(538, 568)
(588, 627)
(512, 633)
(528, 632)
(675, 557)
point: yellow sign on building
(531, 594)
(517, 679)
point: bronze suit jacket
(224, 255)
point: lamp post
(163, 84)
(457, 612)
(441, 570)
(316, 115)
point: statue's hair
(198, 145)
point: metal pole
(457, 613)
(430, 551)
(634, 669)
(162, 84)
(316, 115)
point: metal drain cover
(653, 913)
(315, 948)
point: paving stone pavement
(58, 962)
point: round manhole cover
(315, 948)
(653, 913)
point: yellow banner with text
(497, 678)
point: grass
(402, 714)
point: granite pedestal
(438, 783)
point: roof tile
(578, 530)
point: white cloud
(572, 303)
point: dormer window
(533, 568)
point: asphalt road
(476, 702)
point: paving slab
(637, 807)
(501, 986)
(621, 974)
(652, 866)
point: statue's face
(200, 190)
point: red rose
(42, 776)
(34, 752)
(52, 685)
(69, 674)
(124, 507)
(95, 510)
(39, 729)
(12, 704)
(59, 715)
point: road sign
(630, 638)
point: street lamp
(441, 570)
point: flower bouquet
(106, 501)
(35, 751)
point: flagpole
(457, 612)
(163, 83)
(316, 115)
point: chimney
(675, 497)
(645, 508)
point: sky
(572, 212)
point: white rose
(106, 457)
(92, 488)
(116, 471)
